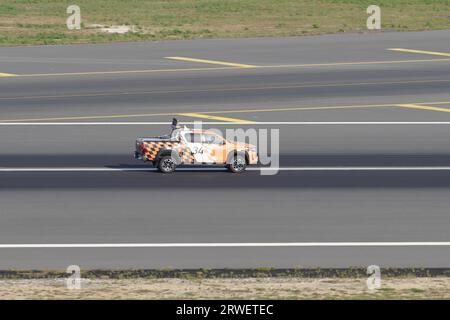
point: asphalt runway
(283, 220)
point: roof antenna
(174, 123)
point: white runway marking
(99, 169)
(218, 168)
(227, 123)
(372, 168)
(226, 245)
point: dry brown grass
(250, 288)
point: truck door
(215, 147)
(194, 144)
(205, 148)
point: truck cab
(185, 146)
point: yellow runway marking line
(300, 109)
(312, 85)
(7, 75)
(423, 107)
(205, 116)
(434, 53)
(93, 73)
(118, 116)
(223, 63)
(356, 63)
(233, 66)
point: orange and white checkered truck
(184, 146)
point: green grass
(25, 22)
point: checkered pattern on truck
(150, 150)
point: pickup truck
(184, 146)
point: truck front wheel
(237, 163)
(166, 164)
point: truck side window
(212, 139)
(193, 137)
(175, 135)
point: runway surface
(399, 99)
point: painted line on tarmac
(305, 108)
(118, 72)
(7, 75)
(100, 169)
(434, 53)
(356, 63)
(223, 63)
(355, 168)
(206, 116)
(218, 168)
(230, 89)
(312, 65)
(227, 244)
(122, 116)
(422, 107)
(244, 122)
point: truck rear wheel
(237, 163)
(166, 164)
